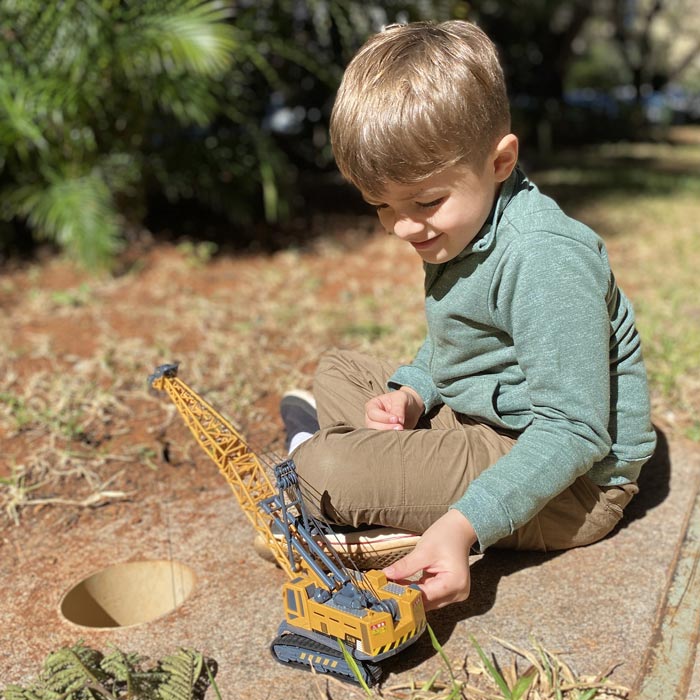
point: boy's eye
(429, 205)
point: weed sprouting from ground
(535, 673)
(80, 671)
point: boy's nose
(406, 227)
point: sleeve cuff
(420, 382)
(486, 515)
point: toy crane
(325, 601)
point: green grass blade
(438, 648)
(213, 682)
(350, 661)
(521, 687)
(428, 685)
(493, 671)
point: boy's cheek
(385, 220)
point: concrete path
(632, 599)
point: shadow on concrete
(494, 565)
(654, 483)
(497, 564)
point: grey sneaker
(298, 411)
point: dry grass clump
(74, 404)
(529, 674)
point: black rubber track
(370, 672)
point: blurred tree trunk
(647, 55)
(632, 26)
(536, 41)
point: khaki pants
(407, 479)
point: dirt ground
(82, 436)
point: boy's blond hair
(416, 99)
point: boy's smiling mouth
(423, 245)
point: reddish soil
(76, 416)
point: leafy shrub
(104, 102)
(83, 88)
(213, 101)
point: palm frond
(76, 212)
(18, 127)
(189, 39)
(35, 112)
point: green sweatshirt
(527, 330)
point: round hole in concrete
(128, 594)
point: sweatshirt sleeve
(417, 376)
(554, 305)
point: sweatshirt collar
(485, 239)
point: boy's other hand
(442, 554)
(396, 410)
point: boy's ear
(505, 157)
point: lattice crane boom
(228, 450)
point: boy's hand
(397, 410)
(442, 554)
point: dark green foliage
(275, 103)
(105, 103)
(83, 87)
(82, 673)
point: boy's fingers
(404, 567)
(440, 591)
(380, 418)
(375, 413)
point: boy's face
(442, 214)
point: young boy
(524, 419)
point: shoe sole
(364, 549)
(303, 395)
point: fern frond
(121, 666)
(126, 669)
(184, 669)
(15, 692)
(83, 673)
(69, 670)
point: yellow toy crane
(325, 602)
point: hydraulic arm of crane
(305, 536)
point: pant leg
(582, 514)
(408, 479)
(405, 479)
(345, 380)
